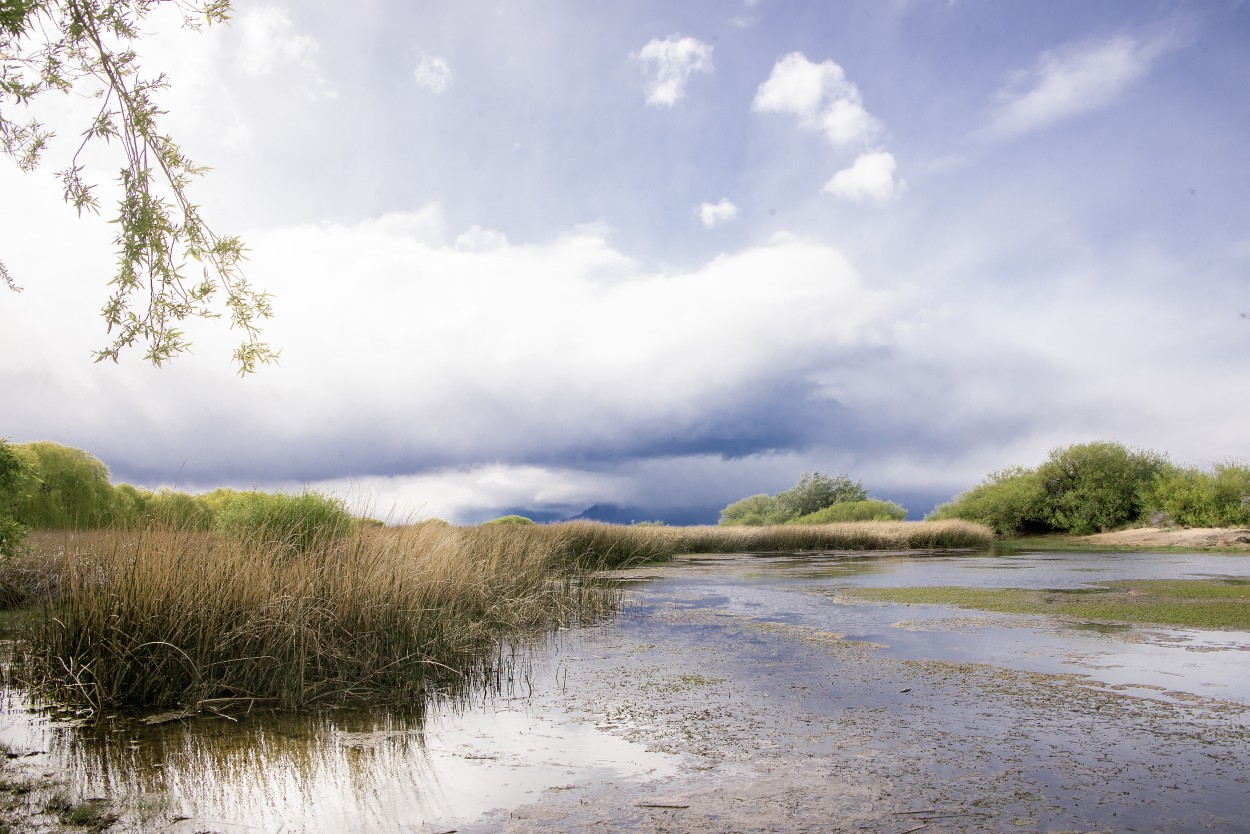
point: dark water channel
(742, 693)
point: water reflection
(336, 771)
(803, 590)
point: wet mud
(791, 727)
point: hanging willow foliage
(170, 265)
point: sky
(540, 256)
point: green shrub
(62, 488)
(510, 519)
(12, 532)
(129, 505)
(1009, 501)
(1190, 497)
(1084, 488)
(178, 509)
(755, 510)
(869, 509)
(813, 492)
(298, 523)
(816, 491)
(1092, 487)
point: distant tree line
(48, 486)
(1093, 487)
(816, 499)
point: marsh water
(740, 693)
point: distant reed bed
(609, 545)
(162, 617)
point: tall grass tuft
(161, 616)
(164, 617)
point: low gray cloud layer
(512, 301)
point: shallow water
(732, 677)
(350, 772)
(798, 590)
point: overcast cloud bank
(508, 287)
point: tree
(1091, 487)
(1190, 497)
(813, 492)
(171, 266)
(64, 488)
(12, 532)
(816, 491)
(1011, 501)
(870, 509)
(1083, 488)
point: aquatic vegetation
(168, 617)
(1205, 603)
(162, 617)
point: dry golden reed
(162, 617)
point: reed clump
(166, 616)
(857, 535)
(590, 544)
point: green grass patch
(1191, 603)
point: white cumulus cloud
(269, 40)
(433, 74)
(820, 96)
(869, 179)
(712, 215)
(1073, 80)
(668, 65)
(478, 239)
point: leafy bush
(813, 492)
(129, 505)
(178, 509)
(755, 510)
(1093, 487)
(510, 519)
(62, 488)
(298, 523)
(1083, 488)
(1190, 497)
(12, 532)
(1010, 501)
(816, 491)
(869, 509)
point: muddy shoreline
(760, 700)
(791, 728)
